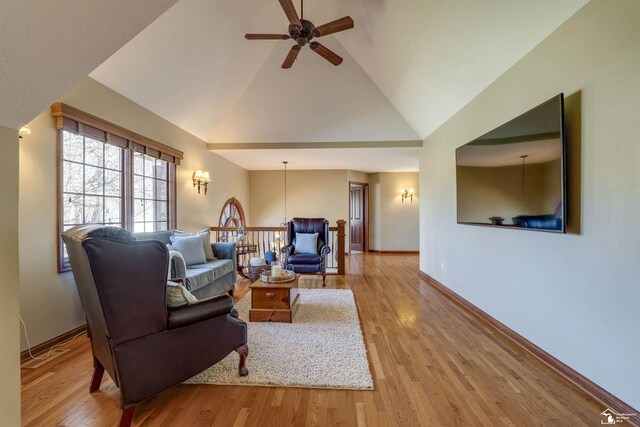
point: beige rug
(323, 348)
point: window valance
(78, 121)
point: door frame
(365, 211)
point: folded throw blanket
(257, 261)
(172, 255)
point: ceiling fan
(303, 31)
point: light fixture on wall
(201, 178)
(406, 194)
(24, 131)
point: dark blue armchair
(307, 263)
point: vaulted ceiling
(408, 67)
(46, 47)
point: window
(232, 215)
(107, 177)
(150, 193)
(91, 181)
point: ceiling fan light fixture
(302, 31)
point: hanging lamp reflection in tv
(524, 158)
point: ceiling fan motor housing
(303, 35)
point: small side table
(244, 249)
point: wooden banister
(247, 228)
(274, 238)
(341, 238)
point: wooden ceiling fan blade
(326, 53)
(266, 37)
(291, 57)
(290, 11)
(332, 27)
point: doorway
(358, 216)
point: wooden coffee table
(274, 302)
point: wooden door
(356, 218)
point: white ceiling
(395, 159)
(432, 57)
(408, 66)
(46, 47)
(314, 101)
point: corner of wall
(10, 283)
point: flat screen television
(514, 176)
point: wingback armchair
(307, 261)
(144, 346)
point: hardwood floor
(432, 363)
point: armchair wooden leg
(127, 416)
(243, 351)
(98, 372)
(324, 279)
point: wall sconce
(201, 178)
(24, 131)
(406, 194)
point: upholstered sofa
(202, 280)
(543, 222)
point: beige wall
(356, 176)
(310, 194)
(9, 281)
(564, 292)
(325, 193)
(395, 223)
(49, 302)
(483, 192)
(319, 193)
(375, 213)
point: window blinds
(78, 121)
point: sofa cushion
(304, 259)
(206, 241)
(201, 275)
(210, 308)
(306, 268)
(306, 243)
(190, 247)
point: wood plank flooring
(432, 364)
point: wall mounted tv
(514, 176)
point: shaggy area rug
(323, 348)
